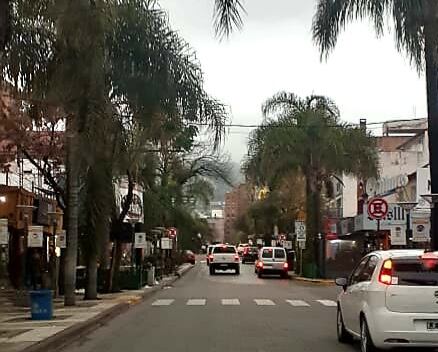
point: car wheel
(366, 343)
(212, 270)
(343, 335)
(285, 276)
(238, 271)
(260, 274)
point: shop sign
(395, 216)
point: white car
(390, 300)
(272, 261)
(224, 257)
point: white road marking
(327, 302)
(264, 302)
(297, 303)
(163, 302)
(196, 302)
(230, 302)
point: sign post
(377, 210)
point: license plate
(223, 265)
(432, 325)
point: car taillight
(385, 276)
(285, 266)
(236, 258)
(260, 264)
(210, 257)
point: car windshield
(224, 249)
(415, 272)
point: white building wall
(349, 200)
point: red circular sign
(377, 208)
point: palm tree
(415, 24)
(308, 137)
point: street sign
(166, 243)
(273, 243)
(287, 244)
(420, 229)
(300, 230)
(302, 244)
(61, 240)
(398, 236)
(377, 208)
(4, 235)
(260, 241)
(140, 240)
(35, 237)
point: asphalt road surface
(203, 313)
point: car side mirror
(341, 281)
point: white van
(272, 261)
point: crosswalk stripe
(163, 302)
(264, 302)
(230, 302)
(196, 302)
(297, 303)
(327, 302)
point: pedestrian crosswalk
(296, 303)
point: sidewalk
(19, 333)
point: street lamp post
(432, 199)
(408, 207)
(54, 259)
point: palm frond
(227, 16)
(408, 18)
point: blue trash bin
(41, 305)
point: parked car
(224, 257)
(390, 300)
(250, 254)
(272, 261)
(241, 247)
(189, 257)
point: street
(203, 313)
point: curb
(75, 332)
(320, 282)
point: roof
(411, 139)
(391, 143)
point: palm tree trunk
(72, 214)
(431, 52)
(313, 215)
(91, 288)
(5, 23)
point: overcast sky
(365, 76)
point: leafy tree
(308, 137)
